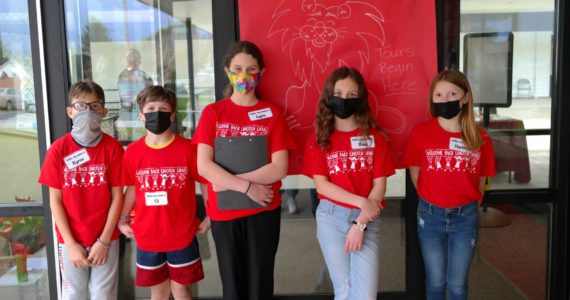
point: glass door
(23, 245)
(127, 45)
(520, 131)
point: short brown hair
(156, 93)
(85, 87)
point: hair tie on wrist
(248, 188)
(103, 243)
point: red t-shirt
(449, 174)
(86, 188)
(352, 162)
(224, 119)
(164, 183)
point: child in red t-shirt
(159, 171)
(349, 160)
(82, 170)
(246, 239)
(449, 158)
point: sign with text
(392, 43)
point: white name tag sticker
(156, 198)
(76, 158)
(260, 114)
(362, 142)
(457, 144)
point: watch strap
(359, 226)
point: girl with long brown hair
(449, 158)
(349, 159)
(246, 236)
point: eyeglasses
(95, 106)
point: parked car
(10, 99)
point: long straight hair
(469, 128)
(324, 123)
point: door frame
(55, 66)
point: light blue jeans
(354, 275)
(447, 240)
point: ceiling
(505, 6)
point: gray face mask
(86, 129)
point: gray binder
(237, 155)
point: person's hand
(380, 204)
(204, 225)
(262, 194)
(217, 188)
(353, 240)
(126, 229)
(370, 209)
(77, 255)
(98, 254)
(292, 122)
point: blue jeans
(354, 275)
(447, 240)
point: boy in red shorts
(83, 172)
(159, 171)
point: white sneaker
(292, 206)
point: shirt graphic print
(155, 179)
(341, 162)
(446, 160)
(231, 129)
(84, 176)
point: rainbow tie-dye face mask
(244, 82)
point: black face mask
(447, 110)
(157, 122)
(343, 108)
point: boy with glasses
(83, 172)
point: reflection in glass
(300, 268)
(19, 159)
(127, 45)
(532, 26)
(23, 262)
(511, 262)
(131, 81)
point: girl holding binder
(246, 238)
(449, 158)
(349, 159)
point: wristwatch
(125, 219)
(359, 226)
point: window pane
(511, 262)
(522, 157)
(300, 267)
(19, 161)
(125, 46)
(23, 262)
